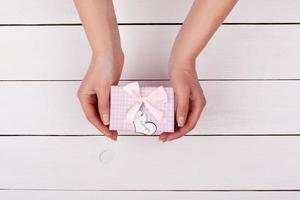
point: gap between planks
(150, 190)
(203, 80)
(129, 135)
(159, 24)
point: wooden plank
(137, 195)
(234, 107)
(236, 52)
(154, 11)
(142, 163)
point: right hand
(190, 99)
(94, 90)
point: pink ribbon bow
(156, 97)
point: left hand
(190, 99)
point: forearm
(100, 24)
(200, 24)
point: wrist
(108, 59)
(182, 63)
(108, 54)
(178, 69)
(107, 44)
(104, 49)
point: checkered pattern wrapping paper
(121, 102)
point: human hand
(94, 90)
(190, 99)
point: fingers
(191, 122)
(183, 96)
(197, 105)
(89, 105)
(163, 136)
(103, 104)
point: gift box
(145, 110)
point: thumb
(103, 105)
(183, 97)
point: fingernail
(163, 137)
(105, 119)
(181, 121)
(113, 137)
(116, 136)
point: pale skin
(100, 24)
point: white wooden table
(246, 145)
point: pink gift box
(121, 102)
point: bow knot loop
(156, 97)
